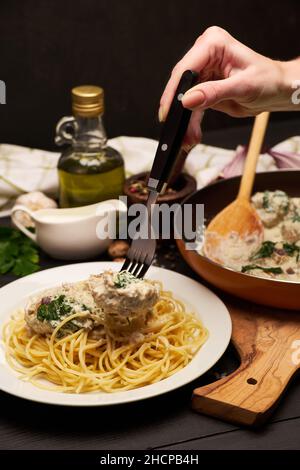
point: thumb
(208, 94)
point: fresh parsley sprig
(18, 254)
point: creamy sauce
(233, 250)
(278, 256)
(59, 218)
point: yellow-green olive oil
(89, 178)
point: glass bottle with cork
(89, 171)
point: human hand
(232, 78)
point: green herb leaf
(30, 253)
(250, 267)
(18, 254)
(266, 200)
(54, 310)
(296, 218)
(266, 250)
(6, 266)
(290, 248)
(5, 233)
(23, 267)
(123, 279)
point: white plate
(196, 297)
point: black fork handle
(172, 135)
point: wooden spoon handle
(256, 141)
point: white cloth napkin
(23, 169)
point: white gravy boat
(76, 233)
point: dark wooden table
(165, 422)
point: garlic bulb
(34, 201)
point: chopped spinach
(123, 279)
(292, 249)
(250, 267)
(266, 250)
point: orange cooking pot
(216, 196)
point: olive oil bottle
(89, 171)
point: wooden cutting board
(268, 343)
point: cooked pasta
(79, 362)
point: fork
(142, 250)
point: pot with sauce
(271, 274)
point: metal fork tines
(142, 250)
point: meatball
(290, 230)
(125, 300)
(44, 312)
(272, 207)
(295, 206)
(258, 200)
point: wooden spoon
(239, 218)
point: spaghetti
(78, 363)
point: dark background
(126, 46)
